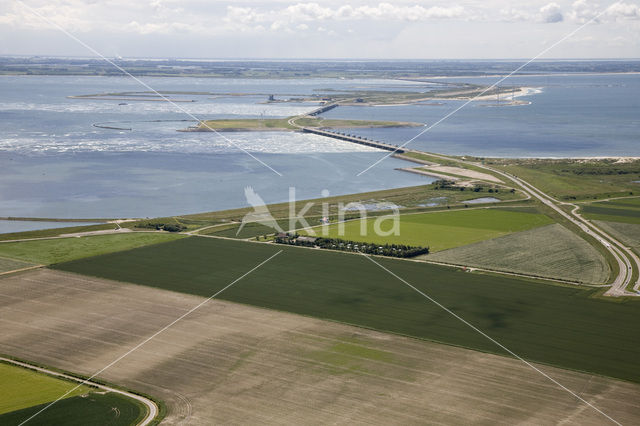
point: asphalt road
(626, 258)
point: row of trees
(392, 250)
(451, 185)
(169, 227)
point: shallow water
(54, 163)
(481, 200)
(572, 116)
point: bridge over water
(354, 139)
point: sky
(347, 29)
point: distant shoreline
(419, 79)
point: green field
(94, 409)
(550, 251)
(283, 123)
(622, 210)
(64, 249)
(559, 325)
(249, 230)
(576, 179)
(11, 264)
(22, 388)
(627, 233)
(443, 230)
(54, 232)
(415, 197)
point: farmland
(230, 363)
(12, 264)
(534, 320)
(252, 229)
(576, 179)
(25, 392)
(622, 210)
(64, 249)
(22, 388)
(441, 230)
(559, 253)
(94, 408)
(628, 233)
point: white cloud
(259, 27)
(582, 11)
(551, 13)
(514, 15)
(623, 11)
(243, 15)
(306, 12)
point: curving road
(152, 407)
(625, 257)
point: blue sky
(322, 29)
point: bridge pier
(354, 139)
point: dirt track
(228, 363)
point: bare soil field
(557, 253)
(235, 364)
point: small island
(288, 124)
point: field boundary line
(604, 200)
(152, 407)
(196, 307)
(164, 98)
(504, 272)
(28, 268)
(404, 259)
(83, 235)
(456, 207)
(491, 339)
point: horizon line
(292, 59)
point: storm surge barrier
(354, 139)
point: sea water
(55, 163)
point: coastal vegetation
(534, 320)
(55, 250)
(413, 197)
(226, 222)
(280, 124)
(577, 179)
(54, 232)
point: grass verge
(65, 249)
